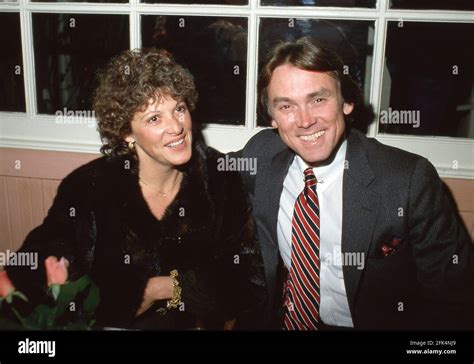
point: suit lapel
(268, 188)
(360, 210)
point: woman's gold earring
(131, 145)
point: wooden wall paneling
(5, 234)
(468, 218)
(49, 191)
(24, 198)
(37, 212)
(14, 211)
(463, 193)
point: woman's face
(162, 132)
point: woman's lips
(177, 144)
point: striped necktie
(302, 295)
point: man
(353, 233)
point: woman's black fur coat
(101, 223)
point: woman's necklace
(165, 194)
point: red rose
(56, 271)
(6, 285)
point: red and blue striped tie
(302, 295)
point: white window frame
(453, 157)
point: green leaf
(67, 294)
(80, 284)
(9, 298)
(41, 318)
(20, 295)
(92, 300)
(45, 316)
(55, 289)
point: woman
(167, 237)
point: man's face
(308, 110)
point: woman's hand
(157, 288)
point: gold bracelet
(176, 299)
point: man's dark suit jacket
(388, 195)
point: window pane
(433, 4)
(69, 48)
(428, 80)
(338, 3)
(12, 91)
(352, 40)
(215, 51)
(209, 2)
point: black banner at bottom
(58, 346)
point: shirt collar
(326, 173)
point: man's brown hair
(310, 55)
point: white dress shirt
(334, 307)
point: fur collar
(127, 226)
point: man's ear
(274, 124)
(347, 108)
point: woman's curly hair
(125, 87)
